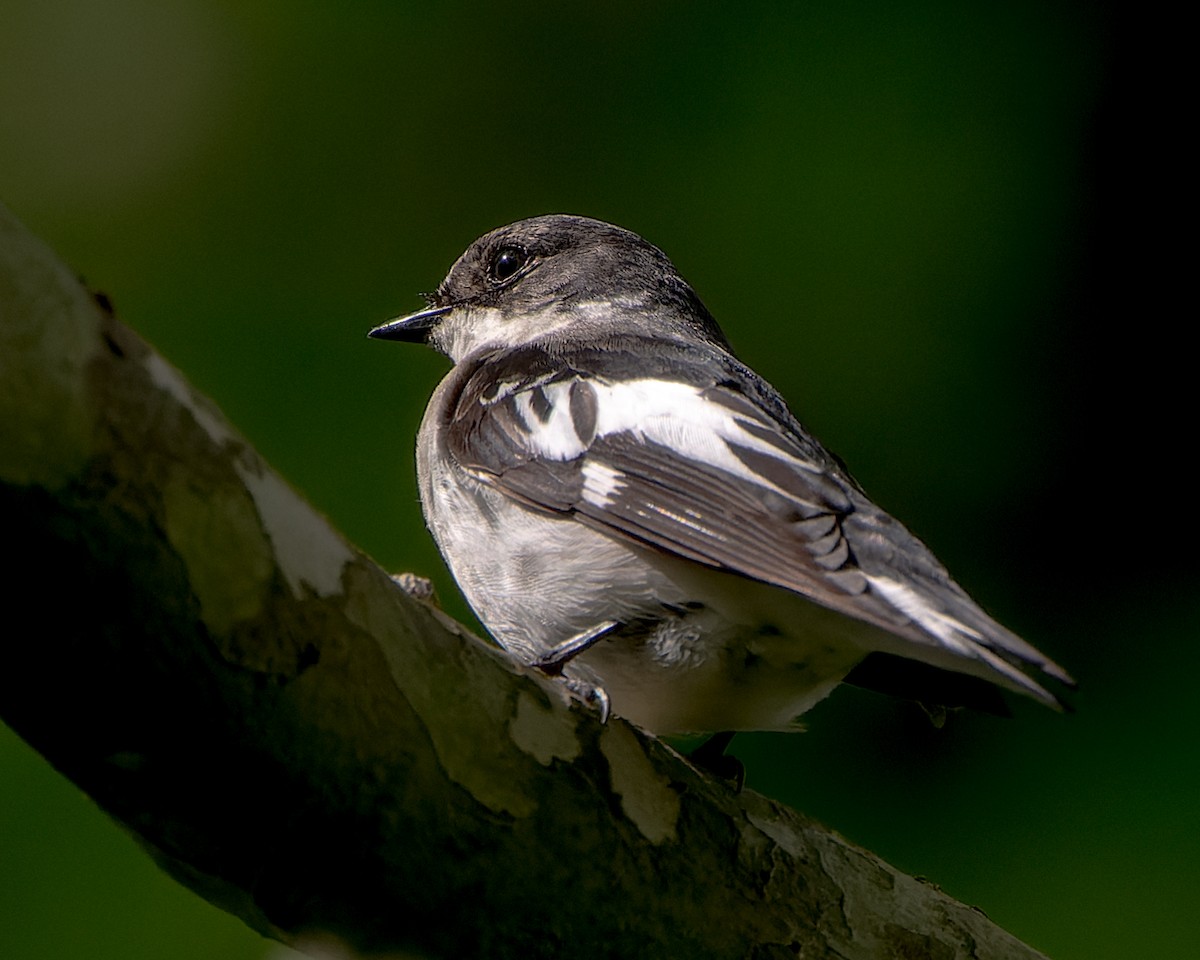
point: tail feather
(964, 638)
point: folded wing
(697, 457)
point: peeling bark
(303, 744)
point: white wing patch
(601, 484)
(545, 412)
(672, 414)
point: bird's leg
(553, 660)
(710, 756)
(556, 662)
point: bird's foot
(710, 756)
(583, 684)
(590, 693)
(419, 588)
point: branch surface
(306, 746)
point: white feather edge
(954, 635)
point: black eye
(506, 262)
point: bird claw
(583, 684)
(591, 694)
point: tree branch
(303, 744)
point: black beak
(413, 328)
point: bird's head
(555, 277)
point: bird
(630, 508)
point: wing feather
(697, 457)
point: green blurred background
(914, 219)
